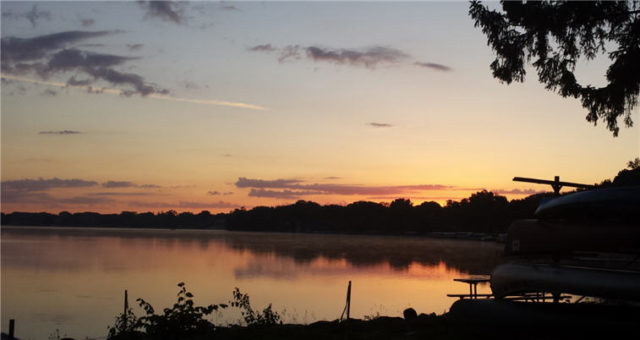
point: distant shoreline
(465, 236)
(483, 216)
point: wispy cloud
(87, 22)
(118, 184)
(134, 47)
(516, 191)
(82, 84)
(217, 193)
(262, 48)
(166, 10)
(33, 15)
(369, 57)
(42, 184)
(283, 194)
(184, 205)
(122, 194)
(61, 132)
(433, 66)
(128, 184)
(243, 182)
(50, 54)
(50, 92)
(295, 186)
(380, 125)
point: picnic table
(473, 286)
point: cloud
(134, 47)
(228, 7)
(289, 52)
(150, 186)
(165, 10)
(128, 184)
(17, 50)
(328, 188)
(434, 66)
(49, 54)
(33, 16)
(83, 84)
(118, 184)
(41, 184)
(243, 182)
(262, 48)
(74, 82)
(87, 22)
(369, 57)
(380, 125)
(18, 196)
(184, 205)
(516, 191)
(284, 194)
(50, 92)
(62, 132)
(122, 194)
(216, 193)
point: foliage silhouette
(184, 320)
(554, 35)
(125, 326)
(265, 318)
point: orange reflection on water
(73, 279)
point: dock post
(126, 307)
(349, 301)
(12, 326)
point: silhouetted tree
(554, 35)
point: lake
(72, 280)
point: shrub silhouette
(265, 318)
(185, 320)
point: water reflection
(72, 278)
(306, 249)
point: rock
(410, 314)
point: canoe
(615, 202)
(514, 279)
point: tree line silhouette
(482, 212)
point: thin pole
(126, 307)
(12, 326)
(348, 300)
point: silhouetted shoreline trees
(482, 212)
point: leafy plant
(183, 320)
(124, 326)
(254, 318)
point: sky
(191, 106)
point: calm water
(73, 279)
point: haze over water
(72, 279)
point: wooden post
(12, 326)
(126, 307)
(348, 300)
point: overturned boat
(576, 263)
